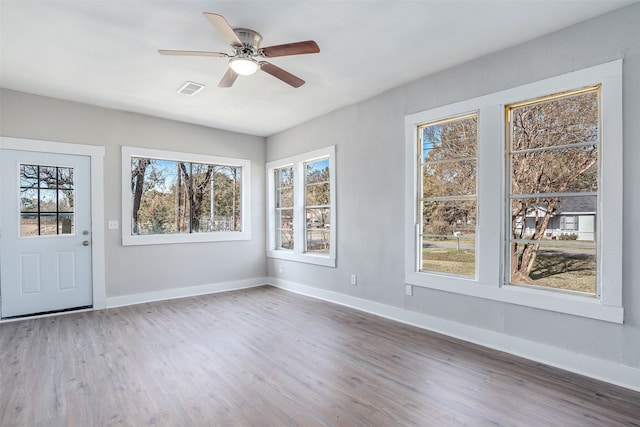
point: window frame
(298, 253)
(492, 248)
(129, 239)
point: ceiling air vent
(190, 88)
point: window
(447, 199)
(46, 200)
(548, 176)
(175, 197)
(301, 207)
(553, 159)
(284, 207)
(317, 205)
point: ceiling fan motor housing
(250, 40)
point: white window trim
(491, 216)
(298, 254)
(156, 239)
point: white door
(45, 240)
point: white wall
(369, 139)
(152, 271)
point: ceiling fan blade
(192, 53)
(281, 74)
(228, 79)
(287, 49)
(223, 28)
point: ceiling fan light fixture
(244, 66)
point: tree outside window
(554, 145)
(170, 197)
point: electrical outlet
(113, 224)
(280, 269)
(354, 280)
(408, 290)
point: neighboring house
(576, 216)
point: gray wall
(141, 269)
(369, 139)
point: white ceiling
(105, 52)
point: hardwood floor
(267, 357)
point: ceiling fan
(247, 56)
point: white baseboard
(190, 291)
(614, 373)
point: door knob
(85, 243)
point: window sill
(163, 239)
(323, 260)
(560, 302)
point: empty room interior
(340, 213)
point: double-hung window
(283, 209)
(447, 200)
(301, 207)
(516, 196)
(554, 146)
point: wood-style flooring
(268, 357)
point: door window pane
(48, 224)
(65, 224)
(48, 177)
(65, 178)
(28, 176)
(28, 224)
(28, 200)
(46, 200)
(65, 200)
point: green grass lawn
(571, 272)
(449, 261)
